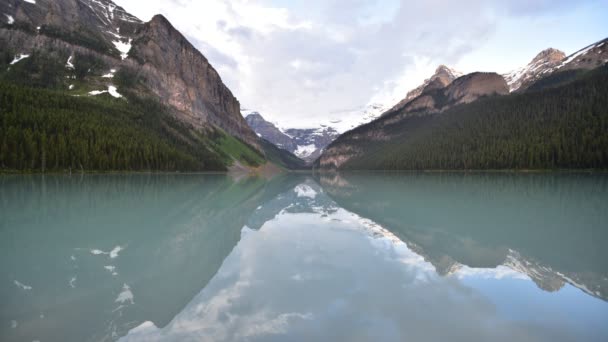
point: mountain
(588, 58)
(472, 123)
(544, 63)
(283, 158)
(552, 62)
(305, 143)
(442, 78)
(554, 128)
(137, 79)
(311, 142)
(270, 132)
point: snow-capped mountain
(590, 57)
(353, 118)
(543, 64)
(305, 143)
(551, 61)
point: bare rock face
(184, 78)
(590, 57)
(543, 64)
(471, 87)
(270, 132)
(442, 78)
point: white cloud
(303, 64)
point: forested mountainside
(557, 126)
(87, 86)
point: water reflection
(549, 227)
(340, 257)
(110, 252)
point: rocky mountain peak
(442, 77)
(446, 72)
(549, 55)
(543, 64)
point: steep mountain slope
(305, 143)
(590, 57)
(270, 132)
(554, 63)
(443, 77)
(94, 48)
(283, 158)
(543, 64)
(561, 127)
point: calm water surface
(359, 257)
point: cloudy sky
(302, 63)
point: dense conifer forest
(43, 130)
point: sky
(306, 63)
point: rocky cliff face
(183, 78)
(543, 64)
(442, 78)
(170, 68)
(471, 87)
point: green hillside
(282, 157)
(44, 130)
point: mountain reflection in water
(331, 257)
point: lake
(336, 257)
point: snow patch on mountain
(543, 64)
(10, 19)
(578, 54)
(19, 58)
(112, 90)
(123, 47)
(305, 151)
(69, 64)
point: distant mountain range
(305, 143)
(534, 117)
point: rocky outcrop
(471, 87)
(442, 78)
(543, 64)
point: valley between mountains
(86, 86)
